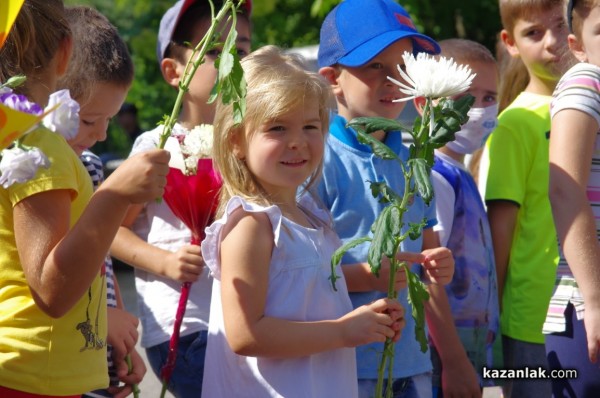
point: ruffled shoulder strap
(210, 244)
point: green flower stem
(135, 387)
(196, 59)
(163, 390)
(388, 347)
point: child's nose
(554, 37)
(297, 139)
(100, 134)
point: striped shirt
(94, 166)
(578, 89)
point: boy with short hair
(362, 42)
(516, 193)
(152, 239)
(462, 221)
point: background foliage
(286, 23)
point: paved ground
(150, 386)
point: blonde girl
(277, 327)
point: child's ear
(331, 74)
(170, 71)
(509, 43)
(576, 47)
(419, 103)
(237, 146)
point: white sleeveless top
(299, 290)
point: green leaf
(379, 148)
(227, 56)
(339, 253)
(414, 229)
(387, 227)
(232, 85)
(417, 295)
(372, 124)
(14, 81)
(385, 194)
(422, 180)
(417, 125)
(453, 115)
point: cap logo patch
(404, 20)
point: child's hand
(373, 323)
(140, 178)
(122, 332)
(591, 320)
(381, 283)
(184, 265)
(439, 265)
(135, 376)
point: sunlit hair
(99, 54)
(277, 83)
(37, 34)
(513, 10)
(581, 10)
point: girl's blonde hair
(37, 34)
(277, 83)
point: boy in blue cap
(362, 42)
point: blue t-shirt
(344, 190)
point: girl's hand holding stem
(374, 322)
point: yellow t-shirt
(40, 354)
(518, 172)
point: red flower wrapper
(194, 200)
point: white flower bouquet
(19, 116)
(195, 144)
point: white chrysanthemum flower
(430, 77)
(196, 144)
(64, 119)
(20, 164)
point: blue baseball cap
(171, 18)
(355, 31)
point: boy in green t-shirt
(516, 188)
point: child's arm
(570, 160)
(502, 215)
(184, 265)
(60, 263)
(246, 249)
(459, 379)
